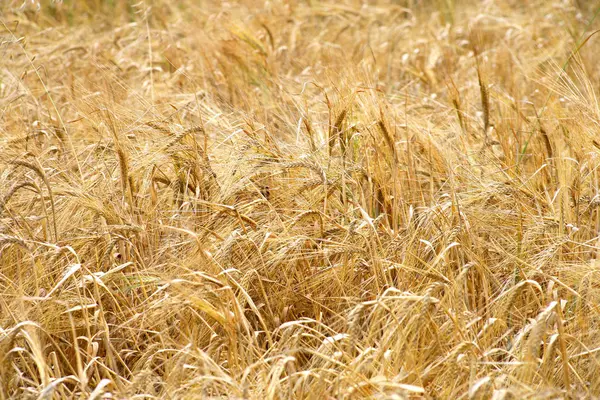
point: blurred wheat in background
(392, 199)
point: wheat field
(303, 199)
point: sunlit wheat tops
(299, 199)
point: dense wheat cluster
(393, 199)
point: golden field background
(299, 199)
